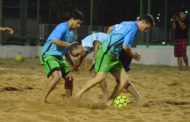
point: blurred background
(33, 20)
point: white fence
(155, 55)
(12, 51)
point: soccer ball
(19, 58)
(121, 101)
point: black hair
(148, 18)
(76, 14)
(182, 8)
(74, 47)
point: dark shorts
(180, 47)
(125, 60)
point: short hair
(148, 18)
(74, 47)
(76, 14)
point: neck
(70, 21)
(138, 24)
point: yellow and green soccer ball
(121, 101)
(19, 58)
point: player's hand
(69, 76)
(91, 67)
(76, 69)
(10, 30)
(137, 56)
(73, 43)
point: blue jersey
(61, 32)
(88, 41)
(122, 34)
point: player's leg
(104, 88)
(52, 70)
(68, 84)
(125, 60)
(67, 76)
(122, 78)
(100, 76)
(130, 87)
(56, 77)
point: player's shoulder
(125, 24)
(63, 25)
(132, 25)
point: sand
(166, 92)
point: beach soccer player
(92, 43)
(107, 56)
(56, 46)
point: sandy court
(165, 90)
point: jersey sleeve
(129, 38)
(117, 26)
(58, 32)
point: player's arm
(129, 38)
(173, 24)
(96, 46)
(62, 43)
(69, 59)
(129, 51)
(78, 62)
(181, 24)
(110, 29)
(59, 31)
(7, 29)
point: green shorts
(107, 63)
(53, 63)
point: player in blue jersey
(107, 55)
(56, 46)
(91, 43)
(125, 60)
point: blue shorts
(125, 60)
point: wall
(156, 55)
(12, 51)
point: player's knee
(100, 77)
(57, 76)
(124, 83)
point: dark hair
(148, 19)
(74, 47)
(76, 14)
(182, 8)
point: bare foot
(109, 102)
(76, 97)
(104, 97)
(140, 100)
(65, 97)
(44, 101)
